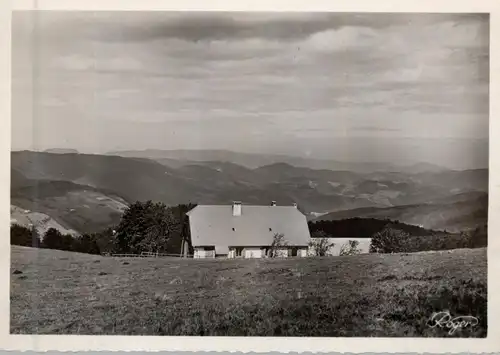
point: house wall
(259, 252)
(200, 253)
(249, 253)
(252, 253)
(364, 245)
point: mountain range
(86, 192)
(180, 157)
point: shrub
(277, 243)
(351, 248)
(388, 240)
(320, 244)
(391, 240)
(320, 247)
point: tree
(277, 244)
(351, 248)
(86, 243)
(105, 240)
(27, 237)
(146, 227)
(320, 244)
(53, 239)
(388, 240)
(476, 238)
(180, 241)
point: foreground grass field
(55, 292)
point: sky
(399, 88)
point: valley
(87, 193)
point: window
(270, 229)
(209, 248)
(233, 229)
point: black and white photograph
(256, 174)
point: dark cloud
(282, 26)
(201, 26)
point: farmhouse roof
(256, 226)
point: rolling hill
(131, 179)
(447, 214)
(75, 208)
(61, 185)
(40, 221)
(174, 158)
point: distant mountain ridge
(255, 160)
(57, 183)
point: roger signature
(445, 320)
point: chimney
(236, 208)
(294, 205)
(273, 203)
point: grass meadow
(56, 292)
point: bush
(391, 240)
(351, 248)
(320, 245)
(388, 240)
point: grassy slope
(369, 295)
(42, 221)
(85, 210)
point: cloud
(342, 39)
(87, 63)
(276, 75)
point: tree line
(393, 237)
(150, 227)
(153, 227)
(393, 240)
(358, 227)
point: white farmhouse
(244, 231)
